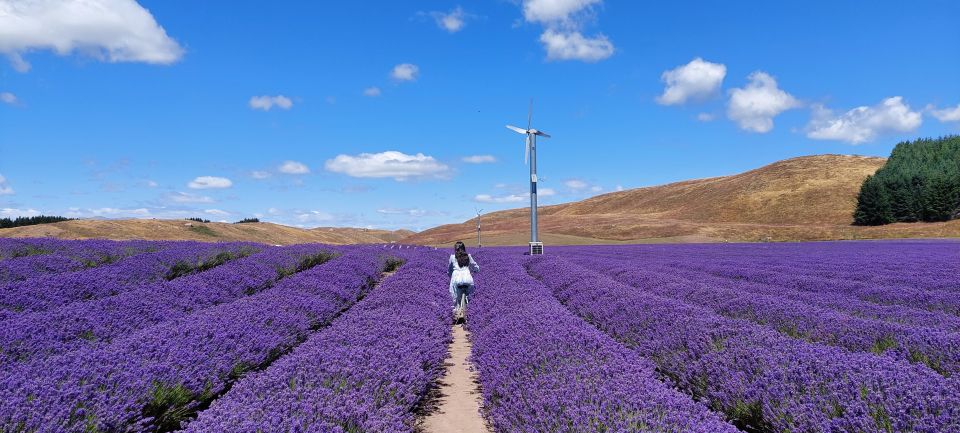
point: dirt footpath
(458, 408)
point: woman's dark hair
(460, 252)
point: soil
(457, 408)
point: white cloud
(405, 72)
(372, 92)
(596, 188)
(571, 45)
(183, 197)
(260, 174)
(705, 117)
(14, 212)
(107, 212)
(479, 159)
(863, 123)
(217, 212)
(575, 184)
(210, 182)
(618, 188)
(555, 11)
(397, 165)
(512, 198)
(409, 212)
(5, 188)
(267, 102)
(696, 80)
(452, 21)
(546, 192)
(754, 106)
(294, 167)
(313, 216)
(946, 114)
(109, 30)
(152, 184)
(8, 98)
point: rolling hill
(805, 198)
(188, 230)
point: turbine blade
(517, 130)
(543, 134)
(530, 114)
(526, 153)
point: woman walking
(461, 280)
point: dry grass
(188, 230)
(799, 199)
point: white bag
(462, 277)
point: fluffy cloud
(266, 102)
(260, 174)
(705, 117)
(8, 98)
(576, 184)
(372, 92)
(183, 197)
(210, 182)
(405, 72)
(107, 212)
(946, 114)
(513, 198)
(217, 212)
(754, 106)
(5, 189)
(397, 165)
(452, 21)
(863, 123)
(695, 80)
(574, 46)
(562, 20)
(294, 167)
(14, 212)
(109, 30)
(555, 11)
(479, 159)
(487, 198)
(409, 212)
(314, 217)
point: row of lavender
(876, 272)
(54, 257)
(171, 260)
(541, 369)
(37, 335)
(364, 373)
(757, 377)
(154, 378)
(766, 304)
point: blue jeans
(459, 292)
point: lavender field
(110, 336)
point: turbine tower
(536, 247)
(479, 245)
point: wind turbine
(479, 245)
(536, 247)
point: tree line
(6, 223)
(919, 182)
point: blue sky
(367, 113)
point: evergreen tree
(873, 206)
(919, 182)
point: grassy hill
(189, 230)
(805, 198)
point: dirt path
(458, 407)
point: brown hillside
(188, 230)
(806, 198)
